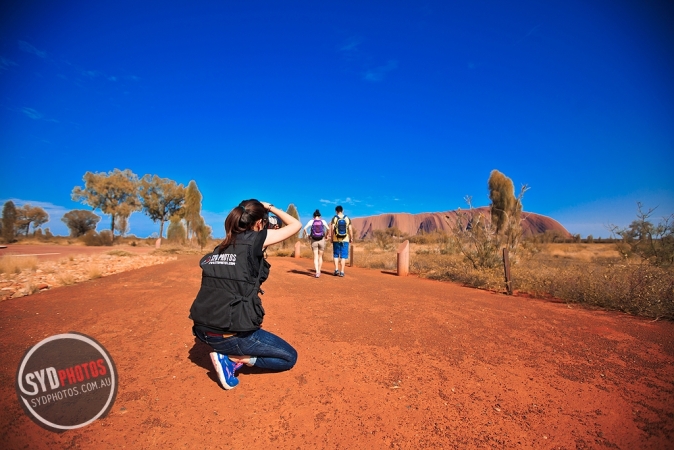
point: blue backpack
(317, 230)
(341, 227)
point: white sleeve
(306, 227)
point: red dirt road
(384, 362)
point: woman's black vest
(229, 296)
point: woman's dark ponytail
(242, 218)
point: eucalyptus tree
(161, 199)
(115, 193)
(27, 215)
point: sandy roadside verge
(46, 267)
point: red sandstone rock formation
(412, 224)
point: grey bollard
(404, 259)
(298, 245)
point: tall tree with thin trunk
(161, 198)
(27, 215)
(192, 209)
(114, 193)
(8, 221)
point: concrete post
(298, 246)
(404, 259)
(157, 243)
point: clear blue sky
(379, 106)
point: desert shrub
(94, 272)
(67, 279)
(91, 238)
(106, 237)
(17, 264)
(477, 240)
(383, 239)
(454, 267)
(653, 243)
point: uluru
(412, 224)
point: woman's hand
(292, 226)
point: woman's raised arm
(292, 226)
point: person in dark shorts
(341, 233)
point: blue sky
(378, 106)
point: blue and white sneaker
(224, 367)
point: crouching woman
(227, 311)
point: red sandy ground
(384, 362)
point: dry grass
(590, 274)
(119, 253)
(94, 272)
(32, 288)
(180, 250)
(17, 264)
(66, 279)
(580, 252)
(624, 285)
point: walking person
(317, 230)
(227, 311)
(341, 233)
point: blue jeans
(271, 351)
(340, 250)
